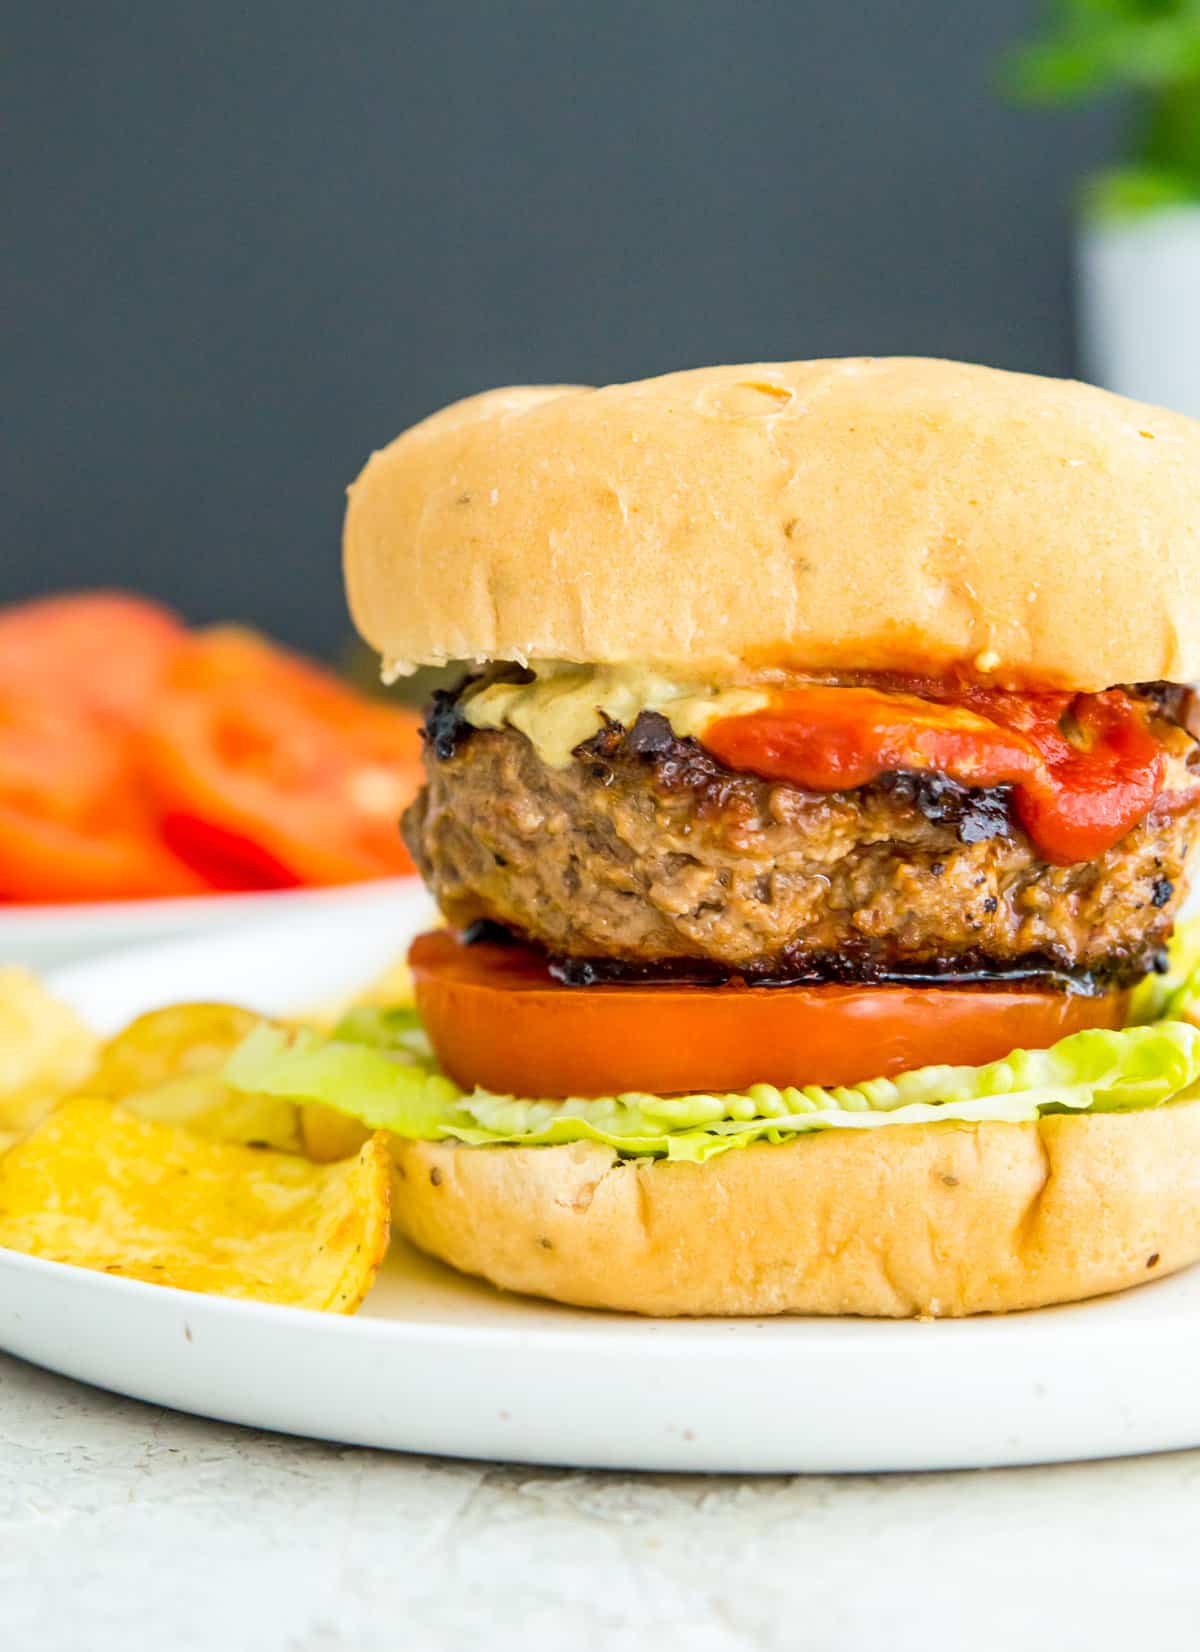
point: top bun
(892, 514)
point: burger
(810, 825)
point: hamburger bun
(891, 514)
(938, 1220)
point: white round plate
(440, 1363)
(45, 937)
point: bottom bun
(935, 1219)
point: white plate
(439, 1363)
(46, 936)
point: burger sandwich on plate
(810, 826)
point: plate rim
(913, 1335)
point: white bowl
(46, 936)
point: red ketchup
(1085, 768)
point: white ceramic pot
(1139, 306)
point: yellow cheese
(566, 704)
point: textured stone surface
(125, 1527)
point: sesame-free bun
(891, 514)
(935, 1219)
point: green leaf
(1131, 192)
(357, 1079)
(1059, 72)
(385, 1027)
(1149, 47)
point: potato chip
(164, 1066)
(45, 1050)
(98, 1187)
(170, 1043)
(208, 1107)
(328, 1134)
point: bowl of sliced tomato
(156, 779)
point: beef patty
(646, 857)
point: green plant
(1148, 49)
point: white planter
(1139, 306)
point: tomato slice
(74, 823)
(270, 770)
(99, 652)
(497, 1018)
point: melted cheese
(567, 704)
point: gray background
(252, 241)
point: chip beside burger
(811, 823)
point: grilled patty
(645, 857)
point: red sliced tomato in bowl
(75, 823)
(267, 767)
(99, 652)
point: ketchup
(1085, 768)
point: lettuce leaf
(387, 1087)
(385, 1027)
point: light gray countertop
(127, 1527)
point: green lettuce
(382, 1082)
(385, 1027)
(377, 1067)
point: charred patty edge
(848, 966)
